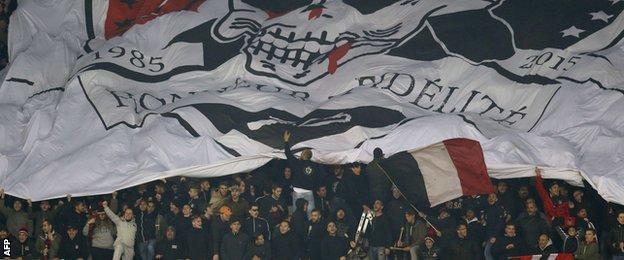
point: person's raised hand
(286, 136)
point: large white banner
(117, 93)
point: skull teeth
(283, 47)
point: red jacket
(552, 211)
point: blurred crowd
(258, 216)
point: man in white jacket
(126, 231)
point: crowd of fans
(259, 215)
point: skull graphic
(314, 38)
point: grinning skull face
(304, 44)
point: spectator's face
(322, 192)
(235, 226)
(563, 191)
(315, 216)
(170, 234)
(429, 243)
(582, 213)
(193, 193)
(283, 228)
(470, 214)
(331, 228)
(197, 222)
(492, 198)
(572, 231)
(542, 241)
(531, 209)
(396, 193)
(225, 216)
(501, 187)
(287, 173)
(223, 190)
(338, 170)
(578, 195)
(554, 189)
(72, 233)
(589, 236)
(340, 214)
(277, 192)
(159, 189)
(259, 240)
(17, 205)
(151, 207)
(5, 234)
(462, 231)
(80, 207)
(510, 230)
(235, 194)
(46, 227)
(128, 214)
(523, 192)
(378, 206)
(410, 218)
(241, 187)
(620, 218)
(254, 211)
(44, 205)
(172, 207)
(205, 185)
(101, 215)
(356, 170)
(186, 209)
(142, 205)
(22, 237)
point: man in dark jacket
(460, 246)
(315, 231)
(75, 213)
(617, 237)
(395, 210)
(286, 245)
(170, 247)
(307, 175)
(219, 227)
(259, 248)
(73, 245)
(333, 247)
(299, 219)
(414, 233)
(544, 247)
(234, 243)
(197, 240)
(146, 231)
(23, 247)
(531, 225)
(377, 179)
(509, 244)
(254, 224)
(379, 233)
(273, 207)
(494, 220)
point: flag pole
(402, 195)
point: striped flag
(549, 257)
(439, 172)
